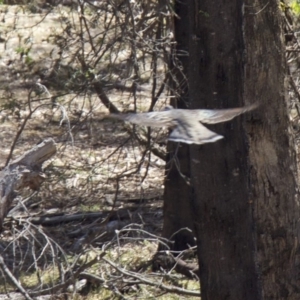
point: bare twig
(13, 279)
(142, 279)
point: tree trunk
(273, 164)
(177, 207)
(222, 208)
(243, 192)
(245, 211)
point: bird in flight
(186, 123)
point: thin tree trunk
(177, 208)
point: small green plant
(28, 60)
(23, 50)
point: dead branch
(70, 280)
(92, 278)
(57, 219)
(169, 261)
(25, 171)
(13, 279)
(19, 296)
(103, 97)
(143, 280)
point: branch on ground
(145, 280)
(25, 171)
(168, 261)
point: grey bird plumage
(186, 123)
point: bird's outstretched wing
(163, 118)
(213, 116)
(186, 123)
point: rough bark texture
(275, 207)
(25, 171)
(177, 208)
(244, 204)
(246, 214)
(223, 214)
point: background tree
(177, 192)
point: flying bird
(186, 123)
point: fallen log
(53, 220)
(25, 171)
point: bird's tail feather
(201, 135)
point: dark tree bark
(245, 211)
(222, 209)
(272, 159)
(177, 207)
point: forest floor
(101, 176)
